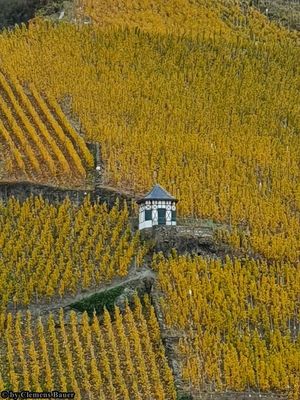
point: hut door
(161, 216)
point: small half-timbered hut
(158, 207)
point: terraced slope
(236, 323)
(39, 142)
(121, 357)
(231, 18)
(203, 97)
(212, 113)
(48, 251)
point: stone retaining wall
(55, 195)
(184, 239)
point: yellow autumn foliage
(238, 322)
(211, 114)
(48, 251)
(96, 360)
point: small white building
(158, 207)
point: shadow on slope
(17, 11)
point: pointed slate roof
(157, 193)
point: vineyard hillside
(180, 108)
(236, 323)
(38, 142)
(182, 16)
(202, 97)
(119, 357)
(70, 249)
(152, 16)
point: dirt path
(42, 308)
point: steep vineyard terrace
(38, 142)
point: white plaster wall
(154, 206)
(145, 224)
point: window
(148, 215)
(174, 215)
(161, 216)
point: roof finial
(155, 177)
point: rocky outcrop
(21, 11)
(184, 239)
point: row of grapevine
(24, 143)
(48, 250)
(63, 120)
(68, 145)
(24, 124)
(180, 17)
(239, 321)
(41, 141)
(200, 113)
(47, 137)
(96, 360)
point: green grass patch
(184, 397)
(97, 302)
